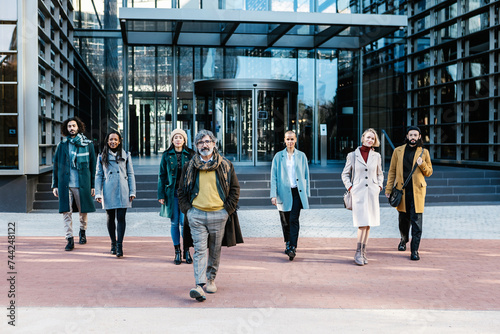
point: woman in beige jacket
(363, 177)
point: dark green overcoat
(168, 177)
(86, 178)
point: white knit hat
(179, 132)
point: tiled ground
(452, 275)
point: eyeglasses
(204, 142)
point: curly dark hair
(64, 126)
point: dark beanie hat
(416, 128)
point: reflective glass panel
(8, 37)
(9, 157)
(272, 121)
(327, 6)
(8, 129)
(8, 67)
(8, 98)
(9, 10)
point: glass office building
(248, 70)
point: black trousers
(413, 219)
(120, 227)
(290, 220)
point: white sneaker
(198, 293)
(211, 287)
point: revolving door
(249, 117)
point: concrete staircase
(447, 186)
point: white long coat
(368, 180)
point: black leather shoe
(187, 256)
(287, 247)
(415, 256)
(113, 248)
(70, 245)
(402, 246)
(291, 253)
(83, 238)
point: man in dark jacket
(73, 177)
(208, 195)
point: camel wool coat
(366, 186)
(395, 177)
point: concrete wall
(17, 193)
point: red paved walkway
(452, 275)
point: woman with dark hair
(172, 162)
(115, 187)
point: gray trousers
(207, 231)
(67, 216)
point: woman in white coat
(115, 187)
(363, 178)
(290, 190)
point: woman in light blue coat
(115, 187)
(290, 190)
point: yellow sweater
(208, 198)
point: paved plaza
(454, 288)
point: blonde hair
(377, 140)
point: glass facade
(453, 78)
(56, 84)
(385, 76)
(439, 72)
(9, 113)
(160, 78)
(196, 63)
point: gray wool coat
(115, 183)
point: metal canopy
(241, 28)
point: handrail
(388, 139)
(385, 136)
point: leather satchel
(347, 194)
(396, 194)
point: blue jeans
(176, 222)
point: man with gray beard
(208, 195)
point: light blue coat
(280, 184)
(116, 182)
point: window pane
(446, 152)
(8, 129)
(9, 10)
(8, 99)
(8, 67)
(8, 157)
(8, 37)
(327, 6)
(478, 133)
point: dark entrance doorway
(249, 117)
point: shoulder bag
(347, 194)
(396, 194)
